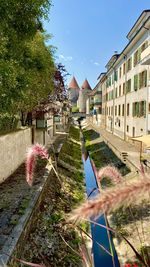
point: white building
(126, 87)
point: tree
(60, 75)
(26, 63)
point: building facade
(126, 87)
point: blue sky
(86, 33)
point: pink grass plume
(33, 152)
(110, 172)
(111, 199)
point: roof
(112, 61)
(86, 85)
(130, 42)
(73, 84)
(102, 74)
(137, 21)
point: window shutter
(135, 59)
(144, 109)
(127, 87)
(137, 109)
(135, 82)
(140, 80)
(139, 55)
(133, 109)
(145, 78)
(116, 76)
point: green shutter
(139, 55)
(134, 59)
(116, 76)
(144, 109)
(135, 82)
(140, 80)
(137, 109)
(127, 87)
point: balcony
(145, 56)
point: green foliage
(26, 63)
(75, 109)
(8, 123)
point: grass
(44, 243)
(102, 155)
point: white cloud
(96, 64)
(65, 58)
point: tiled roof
(86, 85)
(73, 84)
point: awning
(145, 139)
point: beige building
(126, 84)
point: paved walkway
(120, 145)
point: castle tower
(84, 95)
(73, 91)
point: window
(123, 88)
(128, 110)
(127, 128)
(136, 81)
(119, 110)
(133, 109)
(142, 109)
(123, 110)
(109, 81)
(143, 79)
(144, 46)
(124, 68)
(137, 56)
(129, 64)
(115, 110)
(120, 72)
(119, 90)
(128, 86)
(116, 76)
(136, 109)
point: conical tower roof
(73, 84)
(86, 85)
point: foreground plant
(111, 199)
(123, 194)
(32, 154)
